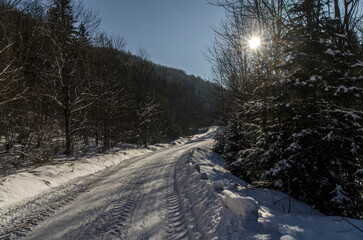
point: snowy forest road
(136, 199)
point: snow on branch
(340, 195)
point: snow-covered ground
(231, 209)
(25, 184)
(175, 191)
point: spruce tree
(317, 157)
(304, 129)
(61, 21)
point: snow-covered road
(132, 200)
(180, 191)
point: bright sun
(254, 42)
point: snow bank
(243, 206)
(26, 184)
(211, 211)
(222, 206)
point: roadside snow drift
(221, 206)
(23, 185)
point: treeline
(293, 107)
(61, 83)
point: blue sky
(174, 33)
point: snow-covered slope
(176, 191)
(228, 208)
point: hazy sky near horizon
(174, 33)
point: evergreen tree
(301, 130)
(61, 21)
(318, 153)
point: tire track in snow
(16, 222)
(108, 204)
(177, 226)
(107, 220)
(111, 221)
(197, 221)
(24, 218)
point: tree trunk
(68, 132)
(67, 121)
(145, 137)
(106, 139)
(336, 9)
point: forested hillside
(63, 83)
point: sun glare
(254, 42)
